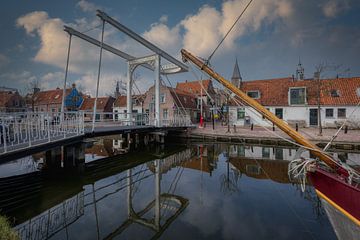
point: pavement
(311, 133)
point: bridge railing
(27, 129)
(176, 121)
(105, 119)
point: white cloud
(333, 8)
(32, 21)
(204, 30)
(54, 43)
(86, 6)
(163, 36)
(4, 60)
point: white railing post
(29, 130)
(48, 131)
(4, 135)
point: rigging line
(203, 88)
(177, 106)
(176, 95)
(333, 137)
(90, 29)
(222, 40)
(342, 165)
(283, 197)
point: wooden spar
(266, 113)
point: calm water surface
(193, 191)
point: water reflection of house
(100, 149)
(276, 170)
(262, 152)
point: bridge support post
(157, 90)
(128, 95)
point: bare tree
(319, 74)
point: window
(253, 94)
(335, 93)
(240, 113)
(165, 114)
(279, 154)
(266, 152)
(279, 112)
(162, 98)
(297, 95)
(329, 112)
(341, 112)
(53, 110)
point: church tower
(300, 71)
(117, 90)
(236, 78)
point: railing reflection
(53, 220)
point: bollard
(296, 127)
(252, 126)
(234, 128)
(346, 129)
(273, 127)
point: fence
(24, 130)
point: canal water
(173, 191)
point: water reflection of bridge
(166, 205)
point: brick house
(11, 100)
(104, 107)
(207, 94)
(295, 101)
(120, 106)
(51, 100)
(172, 101)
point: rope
(298, 169)
(222, 40)
(338, 131)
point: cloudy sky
(267, 41)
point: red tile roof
(183, 99)
(101, 104)
(121, 100)
(274, 92)
(194, 87)
(5, 97)
(49, 96)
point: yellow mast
(266, 113)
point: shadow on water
(93, 190)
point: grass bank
(6, 232)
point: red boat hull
(335, 190)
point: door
(313, 117)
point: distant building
(173, 102)
(11, 101)
(295, 101)
(104, 107)
(202, 90)
(120, 106)
(51, 100)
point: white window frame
(297, 104)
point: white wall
(298, 113)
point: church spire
(300, 71)
(236, 78)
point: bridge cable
(222, 40)
(176, 95)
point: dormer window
(297, 95)
(335, 93)
(253, 94)
(358, 92)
